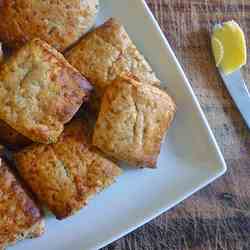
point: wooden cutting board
(218, 217)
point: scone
(66, 174)
(60, 23)
(132, 122)
(11, 138)
(40, 92)
(8, 136)
(105, 53)
(19, 216)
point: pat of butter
(229, 47)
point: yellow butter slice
(229, 40)
(217, 50)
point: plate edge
(223, 166)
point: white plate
(190, 158)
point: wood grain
(218, 217)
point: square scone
(132, 122)
(40, 92)
(105, 53)
(65, 175)
(20, 218)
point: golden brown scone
(66, 174)
(40, 92)
(105, 53)
(132, 121)
(19, 216)
(11, 138)
(60, 23)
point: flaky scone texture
(19, 216)
(105, 53)
(132, 122)
(60, 23)
(40, 92)
(66, 174)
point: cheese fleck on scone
(40, 92)
(19, 216)
(60, 23)
(66, 174)
(132, 121)
(105, 53)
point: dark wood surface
(218, 217)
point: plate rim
(220, 172)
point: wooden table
(218, 217)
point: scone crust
(105, 53)
(19, 216)
(11, 138)
(40, 92)
(132, 121)
(66, 174)
(60, 23)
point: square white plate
(190, 158)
